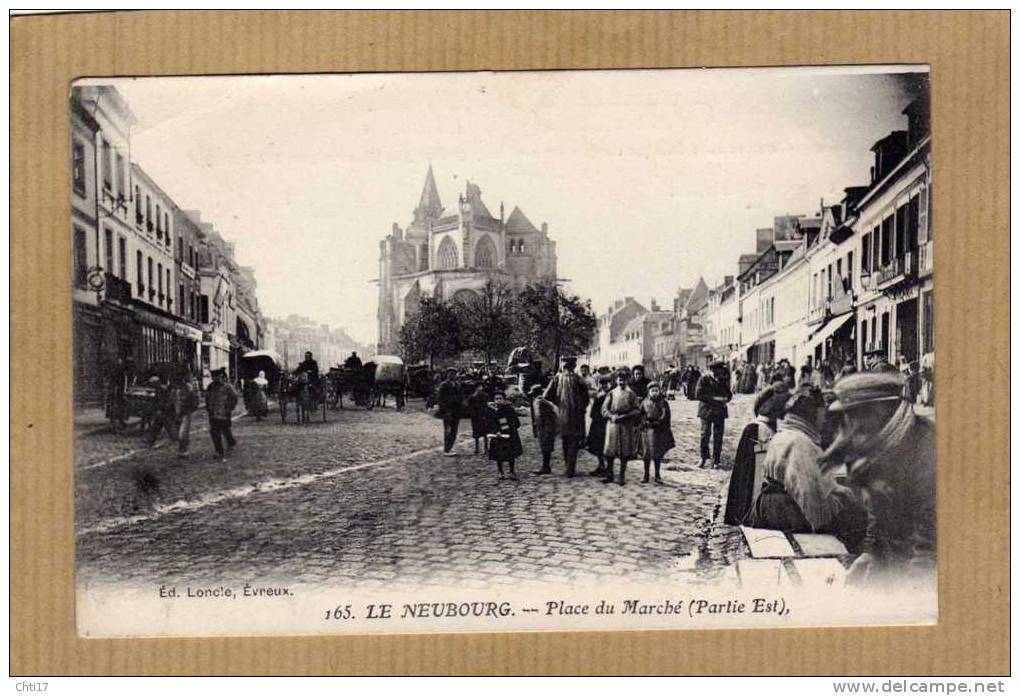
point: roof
(429, 204)
(518, 223)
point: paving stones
(423, 520)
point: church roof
(519, 223)
(429, 204)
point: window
(122, 258)
(152, 290)
(447, 254)
(108, 249)
(138, 207)
(148, 212)
(203, 309)
(182, 302)
(849, 271)
(180, 248)
(139, 278)
(81, 257)
(159, 280)
(485, 254)
(159, 223)
(78, 167)
(169, 291)
(901, 231)
(888, 239)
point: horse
(305, 398)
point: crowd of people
(616, 416)
(842, 454)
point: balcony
(116, 289)
(896, 271)
(925, 259)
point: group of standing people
(176, 401)
(615, 417)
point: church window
(447, 254)
(485, 254)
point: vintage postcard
(563, 350)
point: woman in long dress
(260, 402)
(622, 411)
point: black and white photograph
(503, 351)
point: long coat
(656, 428)
(570, 394)
(544, 422)
(747, 475)
(505, 444)
(622, 438)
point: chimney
(654, 305)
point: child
(622, 411)
(505, 445)
(478, 407)
(656, 430)
(596, 441)
(543, 424)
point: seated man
(796, 495)
(353, 362)
(309, 366)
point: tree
(433, 333)
(487, 320)
(556, 323)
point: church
(449, 254)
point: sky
(648, 179)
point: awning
(272, 355)
(828, 329)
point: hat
(605, 378)
(866, 387)
(653, 385)
(219, 371)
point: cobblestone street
(367, 497)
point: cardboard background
(969, 57)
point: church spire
(429, 206)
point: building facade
(450, 253)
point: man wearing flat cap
(889, 454)
(713, 391)
(570, 394)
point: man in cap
(713, 391)
(451, 407)
(889, 456)
(220, 399)
(570, 394)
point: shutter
(922, 216)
